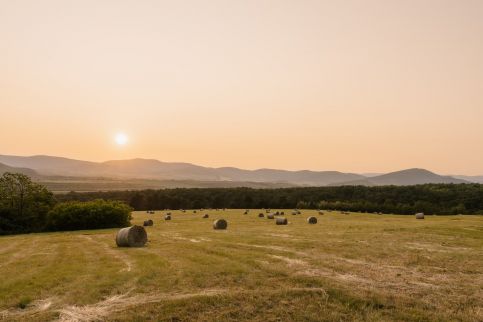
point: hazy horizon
(354, 86)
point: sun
(121, 139)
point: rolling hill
(157, 170)
(67, 173)
(29, 172)
(404, 178)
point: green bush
(88, 215)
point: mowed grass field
(360, 267)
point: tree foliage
(94, 214)
(23, 204)
(443, 199)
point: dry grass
(359, 267)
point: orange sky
(362, 86)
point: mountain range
(49, 168)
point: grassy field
(360, 267)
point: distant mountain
(149, 169)
(5, 168)
(474, 179)
(157, 170)
(404, 178)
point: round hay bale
(420, 215)
(168, 214)
(148, 222)
(134, 236)
(321, 212)
(206, 216)
(277, 213)
(167, 217)
(271, 216)
(261, 215)
(282, 213)
(281, 221)
(245, 213)
(220, 224)
(312, 220)
(294, 213)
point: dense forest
(442, 199)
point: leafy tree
(23, 204)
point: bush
(95, 214)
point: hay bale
(245, 213)
(167, 217)
(321, 212)
(168, 214)
(281, 221)
(148, 222)
(220, 224)
(206, 216)
(261, 215)
(194, 211)
(294, 213)
(312, 220)
(420, 215)
(134, 236)
(271, 216)
(282, 213)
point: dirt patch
(277, 248)
(31, 309)
(290, 261)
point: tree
(23, 204)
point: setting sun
(121, 139)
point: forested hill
(443, 199)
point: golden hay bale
(420, 215)
(294, 213)
(271, 216)
(261, 215)
(220, 224)
(321, 212)
(167, 217)
(312, 220)
(281, 221)
(148, 222)
(206, 216)
(134, 236)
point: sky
(355, 86)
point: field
(361, 267)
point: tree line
(441, 199)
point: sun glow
(121, 139)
